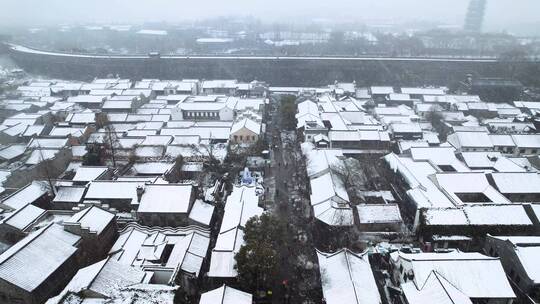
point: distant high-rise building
(475, 16)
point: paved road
(287, 174)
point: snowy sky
(501, 14)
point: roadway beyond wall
(278, 71)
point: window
(400, 268)
(522, 151)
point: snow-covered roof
(141, 133)
(470, 140)
(39, 155)
(436, 289)
(330, 200)
(84, 99)
(33, 130)
(241, 205)
(211, 133)
(478, 215)
(202, 212)
(327, 186)
(523, 182)
(48, 143)
(405, 128)
(69, 194)
(117, 104)
(157, 140)
(503, 140)
(112, 190)
(405, 145)
(152, 168)
(247, 123)
(26, 195)
(474, 274)
(527, 140)
(117, 117)
(381, 90)
(227, 83)
(168, 198)
(67, 131)
(142, 246)
(93, 218)
(423, 91)
(186, 140)
(226, 295)
(416, 174)
(321, 160)
(481, 159)
(102, 279)
(379, 213)
(12, 151)
(347, 278)
(89, 173)
(527, 250)
(440, 156)
(150, 151)
(456, 183)
(24, 217)
(32, 261)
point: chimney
(140, 191)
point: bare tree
(435, 117)
(350, 171)
(45, 168)
(176, 173)
(110, 139)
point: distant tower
(475, 16)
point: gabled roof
(527, 250)
(436, 289)
(347, 278)
(103, 279)
(24, 217)
(26, 195)
(31, 261)
(226, 295)
(247, 123)
(474, 274)
(470, 140)
(93, 218)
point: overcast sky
(501, 14)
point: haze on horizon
(501, 15)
